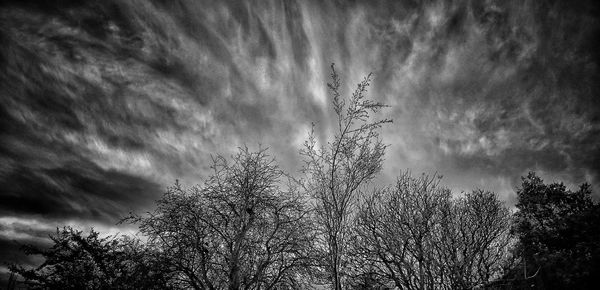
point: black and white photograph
(299, 144)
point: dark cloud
(11, 255)
(87, 193)
(104, 103)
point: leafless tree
(240, 230)
(473, 241)
(395, 231)
(416, 236)
(338, 170)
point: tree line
(251, 225)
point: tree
(559, 237)
(473, 241)
(241, 229)
(395, 231)
(338, 171)
(416, 236)
(76, 261)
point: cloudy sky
(105, 103)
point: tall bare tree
(338, 170)
(240, 230)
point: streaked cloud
(106, 103)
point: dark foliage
(559, 235)
(77, 261)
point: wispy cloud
(106, 103)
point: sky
(106, 103)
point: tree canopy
(240, 230)
(79, 261)
(415, 235)
(559, 236)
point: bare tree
(337, 171)
(395, 231)
(473, 241)
(416, 236)
(240, 230)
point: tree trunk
(337, 282)
(234, 276)
(335, 259)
